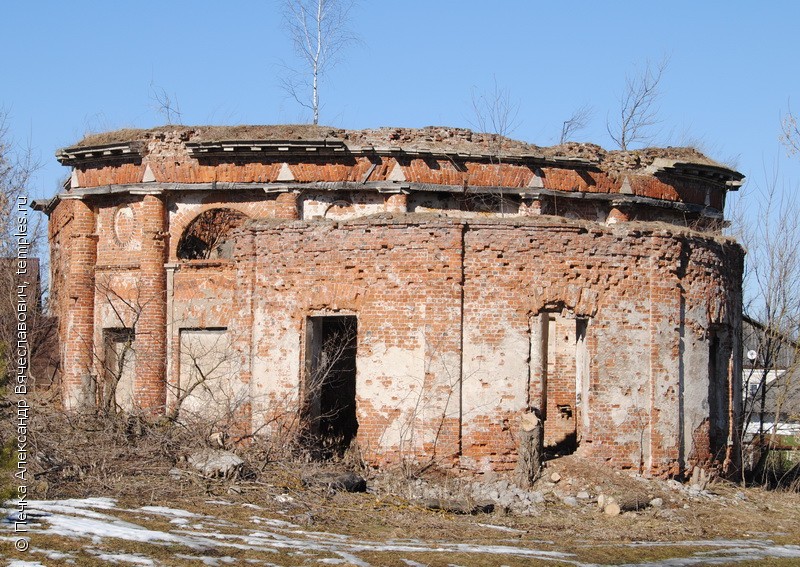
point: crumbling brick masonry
(415, 291)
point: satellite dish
(752, 355)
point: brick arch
(208, 234)
(338, 209)
(183, 219)
(582, 301)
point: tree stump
(531, 447)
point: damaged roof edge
(432, 141)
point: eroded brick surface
(482, 289)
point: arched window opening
(209, 235)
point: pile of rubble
(583, 487)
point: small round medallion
(124, 223)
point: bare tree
(319, 30)
(495, 112)
(638, 107)
(20, 238)
(576, 122)
(17, 165)
(116, 361)
(790, 132)
(209, 235)
(166, 105)
(207, 393)
(208, 390)
(772, 282)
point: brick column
(151, 340)
(397, 203)
(286, 206)
(78, 382)
(531, 207)
(616, 214)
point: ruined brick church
(412, 290)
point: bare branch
(790, 132)
(772, 280)
(638, 107)
(165, 105)
(495, 112)
(578, 121)
(17, 165)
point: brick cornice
(258, 149)
(107, 153)
(384, 187)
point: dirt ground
(279, 520)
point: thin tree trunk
(531, 448)
(315, 96)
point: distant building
(770, 376)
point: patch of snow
(51, 553)
(81, 503)
(45, 508)
(728, 551)
(352, 559)
(93, 519)
(701, 543)
(125, 558)
(502, 528)
(210, 561)
(272, 522)
(164, 511)
(76, 527)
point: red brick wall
(444, 305)
(423, 390)
(401, 279)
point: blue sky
(75, 67)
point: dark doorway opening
(719, 350)
(329, 412)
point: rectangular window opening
(207, 385)
(119, 368)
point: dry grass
(130, 460)
(433, 138)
